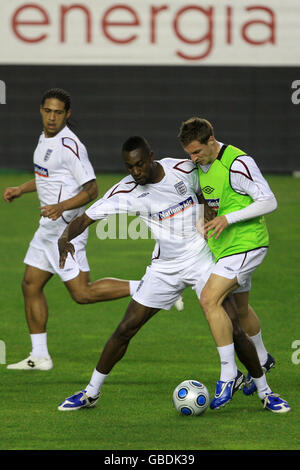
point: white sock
(39, 345)
(133, 285)
(96, 382)
(228, 365)
(260, 348)
(262, 386)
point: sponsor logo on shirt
(39, 170)
(143, 195)
(213, 203)
(173, 210)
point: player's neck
(50, 135)
(216, 151)
(158, 173)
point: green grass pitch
(135, 411)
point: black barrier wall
(250, 107)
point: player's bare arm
(75, 228)
(14, 192)
(209, 213)
(88, 193)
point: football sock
(39, 345)
(96, 382)
(260, 348)
(133, 285)
(228, 365)
(262, 386)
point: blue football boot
(250, 386)
(225, 391)
(77, 401)
(274, 403)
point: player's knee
(25, 286)
(89, 293)
(207, 302)
(243, 312)
(126, 330)
(237, 331)
(81, 299)
(99, 291)
(29, 287)
(81, 296)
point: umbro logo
(208, 189)
(143, 195)
(31, 363)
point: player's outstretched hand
(64, 247)
(12, 193)
(217, 225)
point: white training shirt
(170, 209)
(61, 167)
(246, 178)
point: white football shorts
(43, 254)
(165, 280)
(241, 266)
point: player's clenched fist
(11, 193)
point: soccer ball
(191, 398)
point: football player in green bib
(233, 186)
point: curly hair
(135, 142)
(63, 96)
(59, 94)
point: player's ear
(211, 140)
(68, 113)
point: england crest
(180, 188)
(47, 155)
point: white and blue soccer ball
(191, 397)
